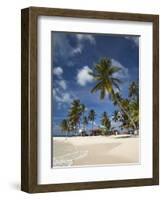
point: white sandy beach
(95, 150)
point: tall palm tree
(83, 108)
(134, 109)
(85, 123)
(104, 74)
(134, 102)
(105, 121)
(91, 117)
(124, 106)
(65, 126)
(74, 114)
(134, 90)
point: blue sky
(74, 55)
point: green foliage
(65, 125)
(106, 122)
(91, 117)
(74, 114)
(104, 76)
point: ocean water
(67, 159)
(65, 153)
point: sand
(95, 150)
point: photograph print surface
(95, 99)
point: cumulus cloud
(62, 48)
(60, 95)
(62, 84)
(58, 71)
(80, 38)
(63, 97)
(83, 76)
(123, 73)
(59, 91)
(66, 98)
(77, 50)
(88, 37)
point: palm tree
(82, 108)
(126, 123)
(116, 115)
(134, 102)
(65, 126)
(105, 121)
(134, 90)
(85, 123)
(134, 109)
(74, 115)
(104, 74)
(91, 117)
(83, 113)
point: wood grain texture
(29, 101)
(29, 87)
(24, 100)
(156, 100)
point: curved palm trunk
(121, 107)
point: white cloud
(63, 97)
(123, 73)
(63, 48)
(83, 76)
(77, 50)
(63, 84)
(59, 91)
(80, 38)
(66, 98)
(58, 71)
(88, 37)
(135, 39)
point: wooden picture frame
(29, 112)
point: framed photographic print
(90, 100)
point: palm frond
(97, 87)
(114, 69)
